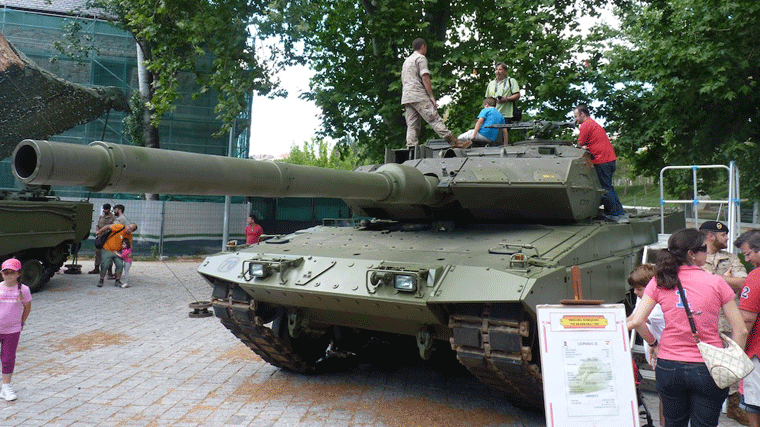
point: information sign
(586, 366)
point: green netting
(35, 104)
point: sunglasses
(702, 248)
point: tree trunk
(145, 80)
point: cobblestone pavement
(133, 357)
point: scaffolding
(190, 127)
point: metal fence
(174, 228)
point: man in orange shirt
(118, 232)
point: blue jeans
(688, 393)
(612, 205)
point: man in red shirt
(749, 305)
(253, 231)
(595, 140)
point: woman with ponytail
(687, 390)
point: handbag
(101, 239)
(516, 111)
(726, 365)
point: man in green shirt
(506, 91)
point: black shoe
(117, 283)
(100, 283)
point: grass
(639, 195)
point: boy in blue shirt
(489, 115)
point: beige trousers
(422, 110)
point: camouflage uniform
(102, 222)
(722, 261)
(416, 101)
(719, 263)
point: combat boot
(458, 143)
(733, 410)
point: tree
(318, 153)
(679, 86)
(208, 39)
(357, 47)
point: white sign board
(586, 366)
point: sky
(277, 124)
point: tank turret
(531, 182)
(467, 243)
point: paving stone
(133, 357)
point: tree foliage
(357, 48)
(680, 84)
(206, 39)
(317, 152)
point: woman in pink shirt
(687, 390)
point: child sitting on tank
(482, 135)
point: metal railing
(732, 200)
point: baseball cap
(11, 264)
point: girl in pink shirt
(15, 305)
(126, 256)
(687, 390)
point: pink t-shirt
(750, 301)
(126, 255)
(706, 294)
(11, 308)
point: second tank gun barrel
(108, 167)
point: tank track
(236, 310)
(496, 344)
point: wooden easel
(575, 276)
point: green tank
(455, 250)
(41, 231)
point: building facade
(34, 26)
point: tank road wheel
(57, 255)
(33, 274)
(237, 312)
(308, 348)
(498, 344)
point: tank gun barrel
(107, 167)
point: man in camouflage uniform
(418, 99)
(728, 266)
(106, 218)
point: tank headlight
(259, 270)
(405, 283)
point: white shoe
(125, 285)
(7, 393)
